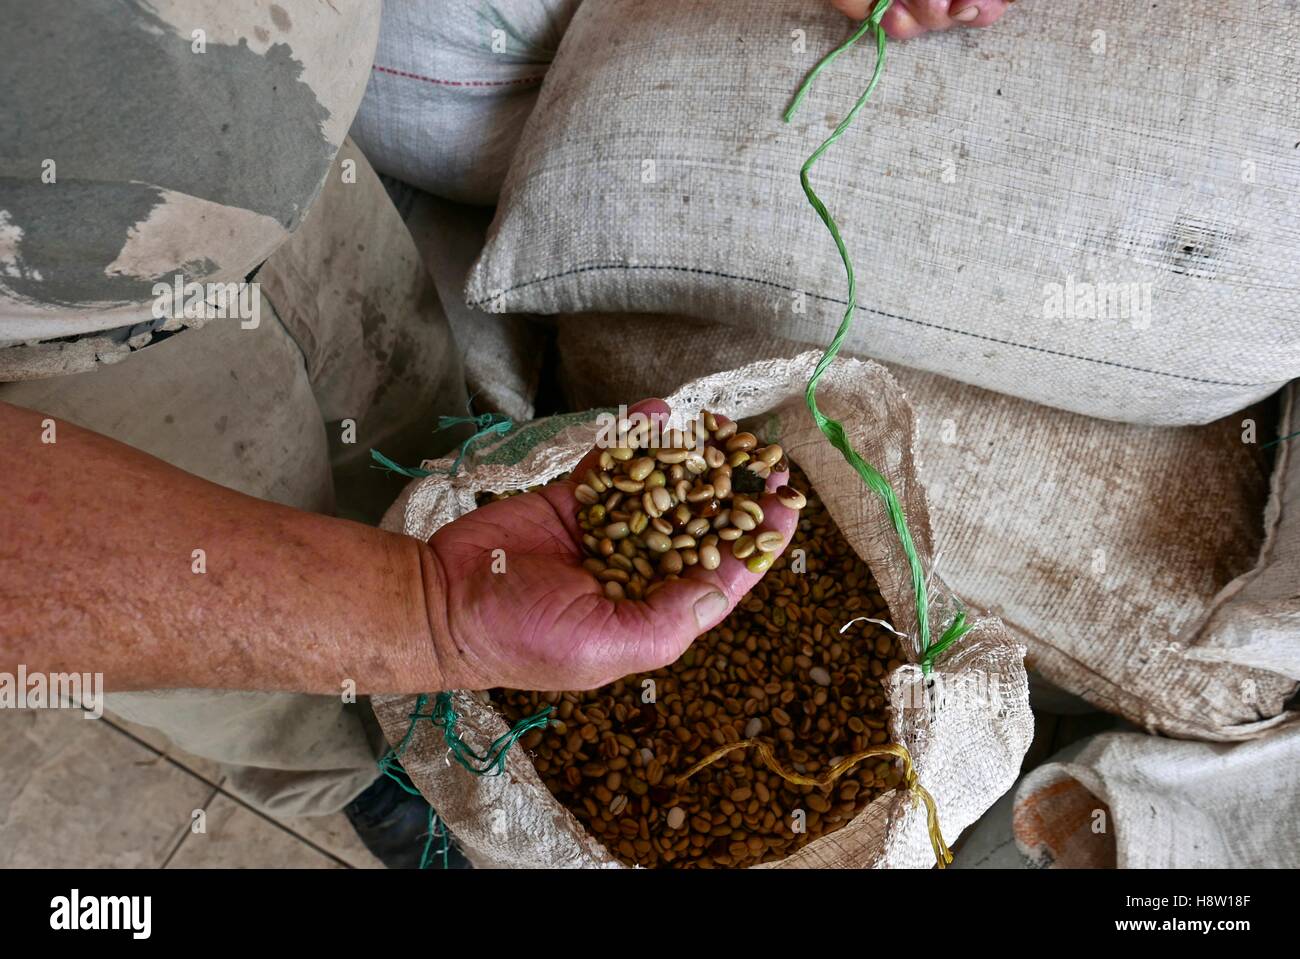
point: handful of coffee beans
(777, 669)
(661, 503)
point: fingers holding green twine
(911, 18)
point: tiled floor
(100, 792)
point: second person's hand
(911, 18)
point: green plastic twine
(488, 424)
(411, 472)
(390, 766)
(833, 429)
(492, 762)
(437, 831)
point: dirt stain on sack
(1196, 248)
(280, 18)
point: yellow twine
(942, 855)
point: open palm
(541, 621)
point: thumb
(655, 632)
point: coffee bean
(657, 542)
(640, 468)
(764, 673)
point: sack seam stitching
(520, 81)
(893, 316)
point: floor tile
(235, 837)
(77, 792)
(203, 768)
(336, 835)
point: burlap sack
(1141, 802)
(1151, 571)
(452, 85)
(999, 194)
(967, 749)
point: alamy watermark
(208, 301)
(967, 691)
(76, 912)
(1082, 300)
(625, 430)
(37, 690)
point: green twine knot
(488, 424)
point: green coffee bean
(657, 541)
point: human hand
(544, 622)
(911, 18)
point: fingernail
(710, 608)
(967, 14)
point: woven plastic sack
(1091, 206)
(966, 749)
(451, 87)
(1159, 593)
(1143, 802)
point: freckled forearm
(100, 572)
